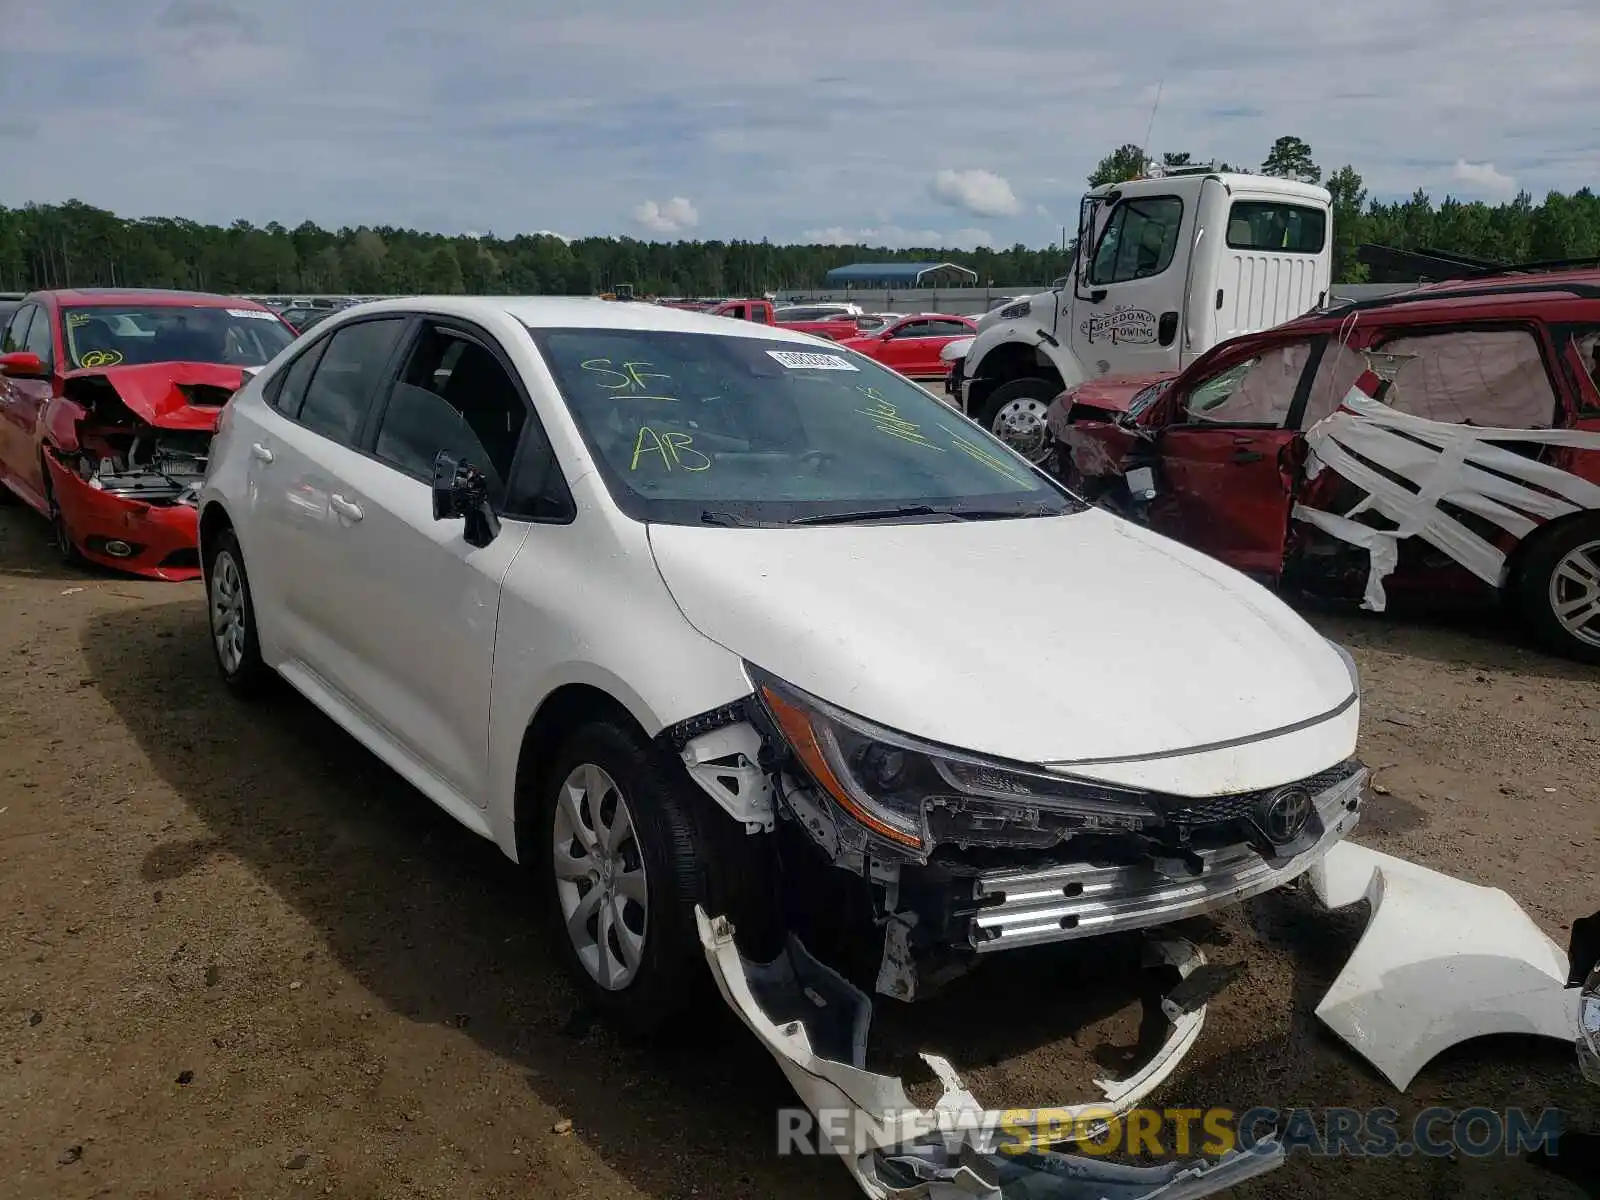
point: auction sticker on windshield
(251, 312)
(803, 359)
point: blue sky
(945, 122)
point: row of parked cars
(695, 557)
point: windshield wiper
(870, 514)
(728, 519)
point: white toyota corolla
(686, 611)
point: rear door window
(1485, 377)
(1269, 225)
(355, 361)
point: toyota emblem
(1287, 812)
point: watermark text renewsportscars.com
(1182, 1132)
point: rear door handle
(346, 509)
(257, 450)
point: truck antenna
(1150, 128)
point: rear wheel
(1015, 414)
(1558, 591)
(231, 615)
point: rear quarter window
(1270, 225)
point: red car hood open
(172, 395)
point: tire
(1563, 569)
(649, 969)
(1014, 413)
(231, 619)
(60, 534)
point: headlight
(889, 781)
(1012, 312)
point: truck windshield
(118, 335)
(692, 428)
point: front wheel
(625, 872)
(1015, 414)
(1558, 590)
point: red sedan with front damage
(108, 400)
(911, 344)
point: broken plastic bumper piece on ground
(814, 1023)
(1441, 961)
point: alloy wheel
(1574, 592)
(600, 876)
(227, 612)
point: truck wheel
(1558, 590)
(1015, 412)
(626, 861)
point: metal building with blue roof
(901, 275)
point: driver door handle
(345, 508)
(257, 450)
(1247, 456)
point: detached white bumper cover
(814, 1023)
(1441, 961)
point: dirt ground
(241, 958)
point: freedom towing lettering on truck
(1123, 325)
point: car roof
(1455, 299)
(148, 297)
(580, 312)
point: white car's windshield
(114, 335)
(691, 428)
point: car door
(923, 360)
(299, 548)
(22, 403)
(1226, 484)
(1131, 323)
(898, 349)
(416, 625)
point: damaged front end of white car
(815, 1023)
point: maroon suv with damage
(1442, 444)
(108, 400)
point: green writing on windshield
(676, 451)
(995, 463)
(886, 418)
(627, 378)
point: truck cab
(1165, 268)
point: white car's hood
(1038, 640)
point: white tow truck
(1174, 264)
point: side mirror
(23, 364)
(461, 490)
(886, 336)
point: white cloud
(560, 237)
(895, 237)
(675, 216)
(981, 193)
(633, 100)
(1484, 178)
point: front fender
(1028, 336)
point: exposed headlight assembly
(1013, 312)
(888, 781)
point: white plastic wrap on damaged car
(1461, 465)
